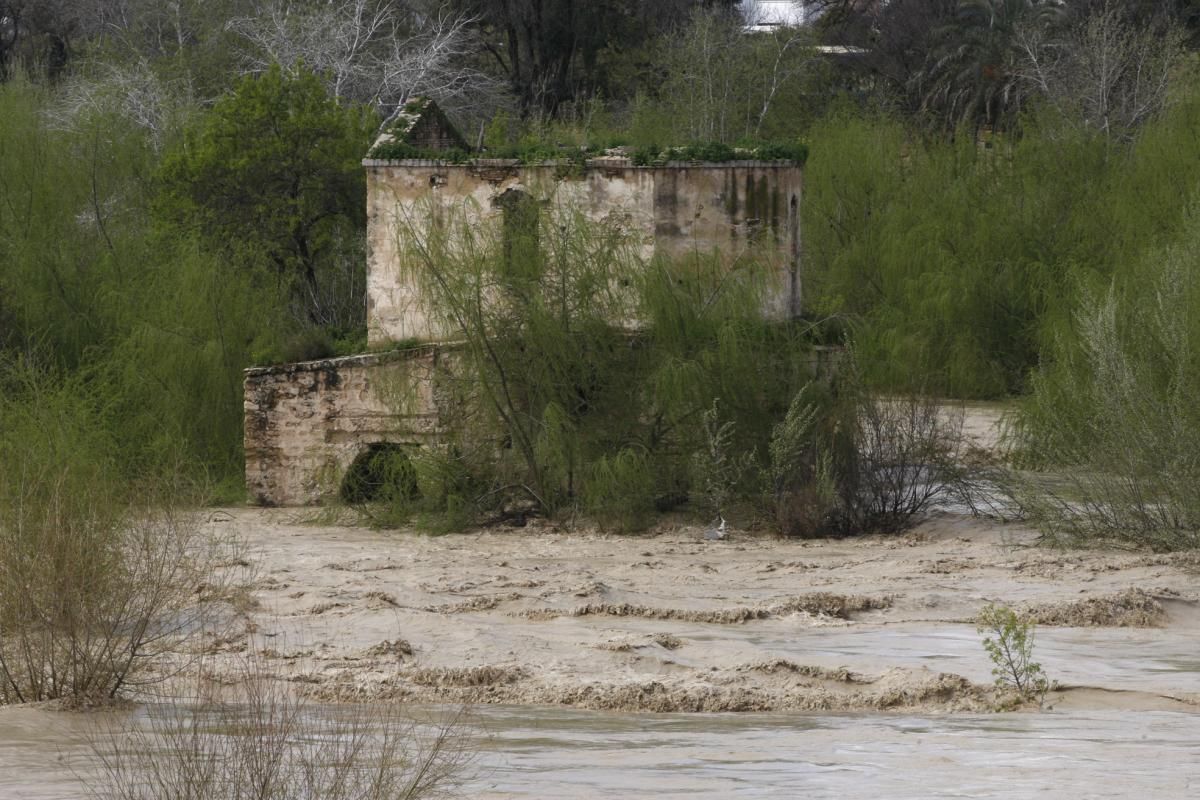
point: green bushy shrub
(1111, 429)
(962, 264)
(1008, 641)
(584, 371)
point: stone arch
(382, 470)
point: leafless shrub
(721, 83)
(98, 578)
(905, 460)
(1106, 73)
(847, 461)
(91, 598)
(131, 92)
(259, 739)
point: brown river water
(1111, 743)
(508, 621)
(551, 753)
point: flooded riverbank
(671, 621)
(855, 663)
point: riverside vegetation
(704, 399)
(1008, 640)
(111, 589)
(257, 738)
(970, 238)
(983, 226)
(988, 214)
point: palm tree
(970, 76)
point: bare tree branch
(1108, 73)
(380, 53)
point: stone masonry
(675, 209)
(306, 423)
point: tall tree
(720, 84)
(972, 75)
(554, 51)
(1109, 71)
(272, 175)
(40, 33)
(893, 41)
(379, 52)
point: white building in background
(767, 15)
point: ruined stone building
(306, 423)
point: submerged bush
(845, 461)
(803, 491)
(260, 739)
(1008, 641)
(98, 577)
(1112, 427)
(720, 470)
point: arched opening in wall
(383, 471)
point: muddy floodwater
(554, 753)
(671, 665)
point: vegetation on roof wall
(540, 153)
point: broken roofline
(597, 162)
(789, 153)
(420, 124)
(420, 133)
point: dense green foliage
(271, 178)
(1113, 416)
(992, 189)
(968, 260)
(152, 283)
(151, 323)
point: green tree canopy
(272, 176)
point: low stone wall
(305, 423)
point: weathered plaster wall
(675, 209)
(306, 422)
